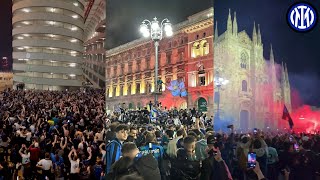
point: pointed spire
(283, 78)
(254, 33)
(259, 34)
(286, 71)
(216, 35)
(235, 24)
(229, 23)
(271, 54)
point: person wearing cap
(214, 167)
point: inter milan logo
(302, 17)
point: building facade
(186, 57)
(94, 39)
(48, 43)
(6, 80)
(257, 88)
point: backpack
(111, 157)
(97, 170)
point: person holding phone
(214, 167)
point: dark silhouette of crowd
(68, 135)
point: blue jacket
(113, 153)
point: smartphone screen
(252, 158)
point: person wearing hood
(201, 147)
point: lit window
(75, 16)
(72, 75)
(76, 4)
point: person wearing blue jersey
(152, 147)
(113, 149)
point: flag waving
(286, 116)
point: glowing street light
(218, 82)
(155, 30)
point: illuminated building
(94, 38)
(6, 80)
(48, 43)
(187, 56)
(257, 88)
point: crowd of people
(68, 135)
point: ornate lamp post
(218, 82)
(154, 29)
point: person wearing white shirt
(46, 166)
(74, 161)
(25, 154)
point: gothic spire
(216, 31)
(235, 24)
(283, 75)
(271, 55)
(229, 23)
(259, 34)
(286, 71)
(254, 33)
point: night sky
(5, 37)
(299, 50)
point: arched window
(244, 86)
(244, 61)
(195, 52)
(204, 47)
(204, 34)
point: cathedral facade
(258, 88)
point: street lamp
(155, 30)
(218, 82)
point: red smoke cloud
(306, 119)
